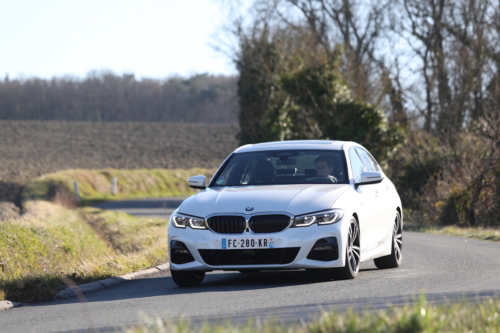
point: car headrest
(264, 172)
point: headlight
(181, 221)
(326, 217)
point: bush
(290, 88)
(448, 183)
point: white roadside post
(114, 189)
(75, 189)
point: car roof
(295, 144)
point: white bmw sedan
(288, 205)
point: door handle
(376, 193)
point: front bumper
(291, 249)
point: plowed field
(32, 148)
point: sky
(149, 38)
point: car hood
(294, 199)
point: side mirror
(370, 177)
(198, 182)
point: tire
(187, 278)
(353, 254)
(394, 259)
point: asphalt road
(442, 267)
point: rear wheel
(187, 278)
(353, 254)
(394, 259)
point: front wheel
(187, 278)
(394, 259)
(353, 254)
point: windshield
(283, 167)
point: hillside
(32, 148)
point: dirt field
(32, 148)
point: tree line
(105, 96)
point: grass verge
(96, 185)
(412, 224)
(419, 317)
(475, 233)
(50, 243)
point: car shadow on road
(213, 282)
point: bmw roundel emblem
(248, 209)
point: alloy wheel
(353, 249)
(398, 239)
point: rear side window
(368, 161)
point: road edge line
(4, 305)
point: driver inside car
(324, 167)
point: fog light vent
(322, 248)
(179, 253)
(325, 249)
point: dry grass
(474, 233)
(413, 224)
(52, 242)
(49, 243)
(96, 185)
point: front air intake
(179, 253)
(325, 249)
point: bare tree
(457, 45)
(359, 27)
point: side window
(368, 161)
(357, 165)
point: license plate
(247, 243)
